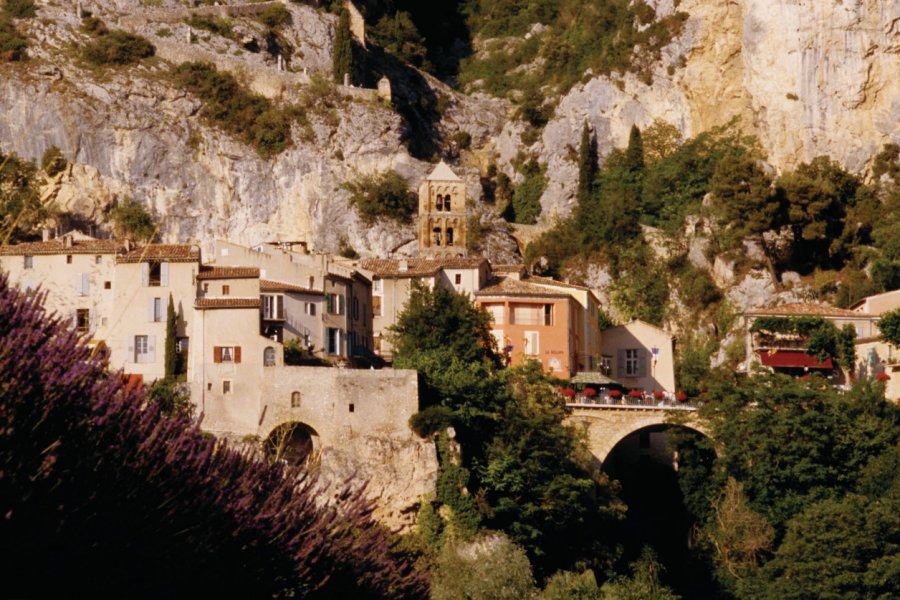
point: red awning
(792, 358)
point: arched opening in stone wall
(646, 464)
(292, 443)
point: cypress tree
(171, 359)
(587, 165)
(342, 57)
(634, 154)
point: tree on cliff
(587, 165)
(103, 495)
(342, 55)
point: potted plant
(658, 395)
(568, 393)
(588, 392)
(635, 394)
(882, 377)
(615, 394)
(681, 397)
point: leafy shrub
(53, 161)
(525, 206)
(431, 420)
(21, 210)
(93, 26)
(103, 495)
(117, 48)
(20, 9)
(382, 195)
(493, 568)
(462, 139)
(274, 16)
(133, 221)
(12, 44)
(697, 287)
(251, 117)
(215, 25)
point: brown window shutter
(237, 354)
(217, 354)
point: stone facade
(641, 356)
(442, 214)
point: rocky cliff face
(807, 77)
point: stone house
(640, 356)
(75, 271)
(392, 283)
(538, 319)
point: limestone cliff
(806, 77)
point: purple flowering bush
(101, 494)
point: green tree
(587, 166)
(889, 324)
(644, 583)
(398, 35)
(634, 152)
(493, 568)
(171, 348)
(342, 56)
(525, 206)
(21, 211)
(744, 202)
(20, 9)
(382, 195)
(53, 161)
(12, 44)
(565, 585)
(132, 220)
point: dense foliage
(21, 211)
(117, 47)
(12, 44)
(798, 503)
(226, 104)
(382, 195)
(53, 161)
(20, 9)
(342, 54)
(889, 325)
(101, 494)
(523, 472)
(131, 220)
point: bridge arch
(292, 442)
(607, 426)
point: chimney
(46, 234)
(67, 240)
(404, 265)
(127, 245)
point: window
(436, 236)
(333, 341)
(83, 284)
(335, 304)
(457, 279)
(352, 407)
(82, 320)
(144, 351)
(156, 310)
(205, 288)
(226, 290)
(98, 260)
(107, 285)
(269, 357)
(449, 236)
(548, 314)
(532, 343)
(312, 282)
(631, 363)
(496, 312)
(377, 286)
(68, 259)
(355, 308)
(155, 270)
(376, 306)
(527, 314)
(29, 261)
(273, 306)
(295, 399)
(227, 354)
(310, 309)
(226, 386)
(439, 204)
(606, 365)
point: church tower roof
(442, 172)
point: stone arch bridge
(608, 424)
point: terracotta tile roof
(57, 246)
(506, 286)
(418, 267)
(164, 252)
(806, 309)
(269, 285)
(208, 272)
(549, 281)
(508, 268)
(207, 303)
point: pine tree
(342, 57)
(171, 360)
(587, 165)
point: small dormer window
(155, 270)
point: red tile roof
(792, 359)
(162, 252)
(418, 267)
(57, 246)
(806, 309)
(507, 286)
(207, 303)
(269, 285)
(207, 272)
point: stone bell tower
(442, 214)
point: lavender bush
(101, 494)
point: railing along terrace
(646, 402)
